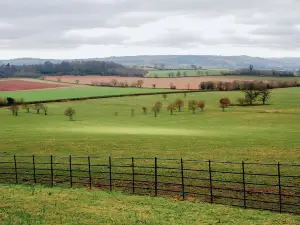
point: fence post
(182, 179)
(279, 188)
(155, 175)
(244, 185)
(33, 165)
(90, 174)
(133, 178)
(16, 170)
(210, 182)
(51, 166)
(110, 174)
(70, 170)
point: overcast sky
(102, 28)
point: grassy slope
(36, 205)
(240, 133)
(73, 92)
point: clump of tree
(179, 104)
(70, 112)
(171, 108)
(252, 91)
(201, 105)
(193, 105)
(224, 103)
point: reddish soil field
(180, 83)
(17, 85)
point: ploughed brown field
(180, 83)
(17, 85)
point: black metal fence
(268, 186)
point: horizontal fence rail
(267, 186)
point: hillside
(208, 61)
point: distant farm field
(163, 82)
(189, 73)
(73, 92)
(17, 85)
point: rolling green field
(36, 205)
(189, 73)
(73, 92)
(259, 133)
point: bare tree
(77, 81)
(70, 112)
(252, 91)
(132, 112)
(114, 82)
(224, 103)
(201, 105)
(154, 85)
(140, 83)
(37, 107)
(45, 109)
(264, 96)
(156, 108)
(26, 107)
(171, 108)
(193, 105)
(14, 109)
(179, 104)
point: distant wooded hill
(68, 68)
(206, 61)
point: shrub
(165, 96)
(70, 112)
(201, 105)
(179, 104)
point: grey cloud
(42, 24)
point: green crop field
(36, 205)
(73, 92)
(189, 73)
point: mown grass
(73, 92)
(38, 205)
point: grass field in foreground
(36, 205)
(74, 92)
(260, 133)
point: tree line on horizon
(79, 68)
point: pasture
(37, 205)
(257, 133)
